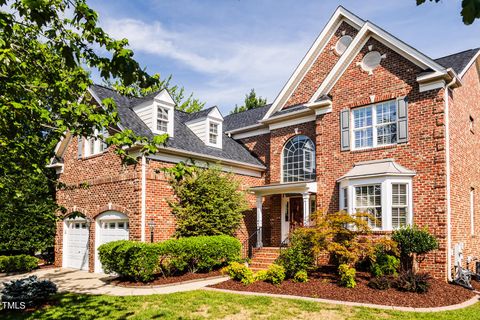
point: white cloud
(232, 66)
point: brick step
(263, 265)
(266, 255)
(267, 249)
(270, 261)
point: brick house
(365, 123)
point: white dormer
(158, 113)
(209, 128)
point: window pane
(363, 138)
(387, 134)
(298, 160)
(399, 205)
(368, 201)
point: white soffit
(376, 168)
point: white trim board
(340, 15)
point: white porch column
(306, 209)
(259, 221)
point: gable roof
(245, 118)
(183, 139)
(459, 61)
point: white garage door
(111, 226)
(75, 246)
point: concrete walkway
(465, 304)
(72, 280)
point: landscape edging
(462, 305)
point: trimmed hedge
(18, 263)
(142, 261)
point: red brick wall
(320, 68)
(100, 183)
(423, 153)
(464, 159)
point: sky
(220, 49)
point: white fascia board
(462, 73)
(251, 133)
(201, 156)
(341, 14)
(289, 115)
(176, 158)
(164, 96)
(245, 129)
(292, 122)
(370, 30)
(427, 86)
(297, 187)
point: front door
(296, 213)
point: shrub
(260, 275)
(385, 264)
(239, 272)
(299, 256)
(380, 283)
(30, 291)
(203, 253)
(18, 263)
(300, 276)
(347, 276)
(137, 261)
(208, 202)
(412, 242)
(413, 282)
(275, 274)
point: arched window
(298, 160)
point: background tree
(207, 201)
(46, 48)
(251, 102)
(470, 9)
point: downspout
(144, 197)
(447, 159)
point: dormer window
(162, 119)
(213, 133)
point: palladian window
(298, 160)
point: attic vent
(371, 60)
(342, 44)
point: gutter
(447, 159)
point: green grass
(215, 305)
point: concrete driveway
(77, 281)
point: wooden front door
(296, 213)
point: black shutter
(402, 122)
(345, 129)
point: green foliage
(239, 272)
(143, 261)
(470, 10)
(300, 276)
(30, 291)
(380, 283)
(413, 282)
(385, 264)
(134, 260)
(275, 274)
(414, 240)
(347, 276)
(207, 202)
(261, 275)
(251, 102)
(299, 256)
(18, 263)
(203, 253)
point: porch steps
(263, 258)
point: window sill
(390, 146)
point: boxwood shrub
(142, 261)
(18, 263)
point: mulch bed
(159, 280)
(323, 284)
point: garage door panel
(76, 245)
(109, 231)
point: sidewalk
(77, 281)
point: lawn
(216, 305)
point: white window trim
(472, 211)
(219, 134)
(94, 141)
(374, 127)
(170, 109)
(386, 201)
